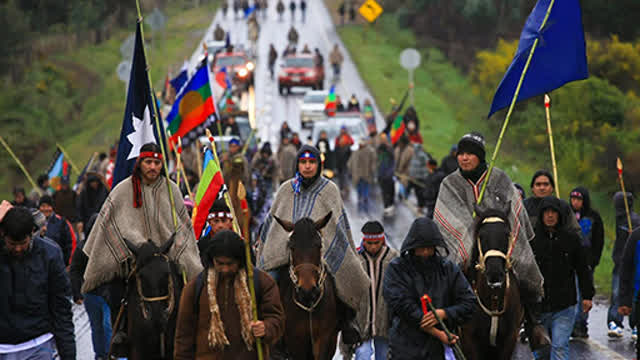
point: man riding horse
(454, 214)
(311, 195)
(149, 219)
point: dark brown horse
(153, 294)
(308, 295)
(493, 331)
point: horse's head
(493, 236)
(305, 247)
(151, 283)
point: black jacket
(449, 164)
(630, 270)
(58, 231)
(622, 225)
(407, 280)
(90, 201)
(33, 300)
(592, 228)
(560, 256)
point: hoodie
(408, 278)
(591, 225)
(622, 225)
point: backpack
(200, 281)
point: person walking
(362, 167)
(273, 56)
(335, 59)
(403, 154)
(303, 10)
(56, 228)
(418, 174)
(292, 7)
(35, 314)
(342, 147)
(385, 173)
(286, 158)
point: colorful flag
(193, 105)
(138, 126)
(560, 56)
(179, 81)
(397, 129)
(330, 104)
(58, 169)
(210, 185)
(370, 119)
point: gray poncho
(119, 220)
(454, 216)
(338, 248)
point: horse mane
(304, 235)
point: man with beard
(138, 209)
(214, 317)
(310, 195)
(35, 314)
(454, 214)
(422, 270)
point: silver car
(352, 121)
(312, 107)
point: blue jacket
(33, 300)
(58, 231)
(406, 281)
(630, 270)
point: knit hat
(473, 143)
(46, 199)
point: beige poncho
(118, 220)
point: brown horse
(493, 331)
(152, 293)
(308, 295)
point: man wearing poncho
(309, 194)
(148, 218)
(454, 213)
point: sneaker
(634, 334)
(614, 330)
(580, 332)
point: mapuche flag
(560, 56)
(330, 104)
(138, 126)
(397, 129)
(208, 190)
(193, 105)
(58, 169)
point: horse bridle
(169, 297)
(481, 267)
(322, 275)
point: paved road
(272, 110)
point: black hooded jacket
(622, 225)
(560, 256)
(90, 201)
(408, 278)
(592, 228)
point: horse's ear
(287, 225)
(167, 246)
(132, 247)
(323, 222)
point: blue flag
(179, 81)
(560, 56)
(138, 126)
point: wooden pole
(181, 168)
(157, 122)
(513, 103)
(624, 193)
(547, 104)
(199, 158)
(20, 165)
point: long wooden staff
(547, 104)
(199, 158)
(74, 168)
(624, 193)
(20, 165)
(249, 264)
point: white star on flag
(142, 134)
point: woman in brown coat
(219, 325)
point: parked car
(300, 70)
(312, 107)
(239, 67)
(353, 121)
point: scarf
(475, 174)
(217, 336)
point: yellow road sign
(370, 10)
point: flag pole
(513, 103)
(181, 168)
(247, 245)
(73, 166)
(199, 158)
(547, 104)
(157, 121)
(20, 165)
(624, 194)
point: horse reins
(322, 275)
(481, 267)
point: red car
(300, 70)
(239, 67)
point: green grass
(75, 97)
(448, 108)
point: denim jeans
(582, 318)
(46, 351)
(100, 320)
(378, 345)
(613, 315)
(363, 195)
(559, 324)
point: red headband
(150, 154)
(373, 237)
